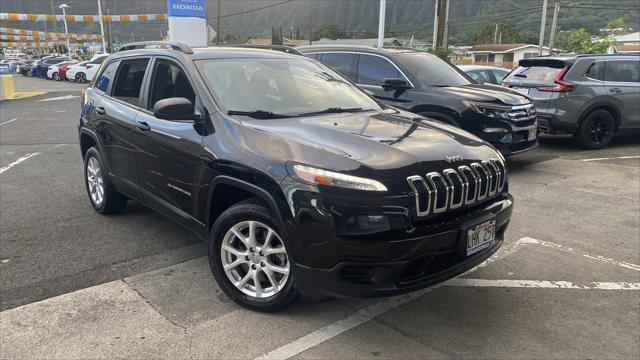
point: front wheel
(56, 77)
(101, 194)
(249, 258)
(596, 130)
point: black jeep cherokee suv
(424, 84)
(299, 181)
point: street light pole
(66, 30)
(104, 44)
(554, 23)
(542, 27)
(383, 8)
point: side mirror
(176, 108)
(395, 84)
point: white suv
(85, 71)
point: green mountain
(355, 17)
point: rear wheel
(101, 194)
(81, 77)
(55, 76)
(596, 130)
(250, 259)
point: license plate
(533, 133)
(522, 90)
(481, 237)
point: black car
(299, 182)
(424, 84)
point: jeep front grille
(454, 188)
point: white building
(505, 55)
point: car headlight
(329, 178)
(490, 110)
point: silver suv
(593, 97)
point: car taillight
(560, 85)
(82, 97)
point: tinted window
(283, 86)
(107, 76)
(99, 60)
(129, 80)
(536, 73)
(373, 69)
(596, 70)
(169, 81)
(341, 62)
(480, 76)
(499, 75)
(433, 71)
(623, 71)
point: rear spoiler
(552, 63)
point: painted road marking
(604, 259)
(5, 168)
(543, 284)
(611, 158)
(369, 313)
(66, 97)
(8, 121)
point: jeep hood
(483, 93)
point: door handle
(143, 126)
(615, 90)
(100, 110)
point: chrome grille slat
(455, 188)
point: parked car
(5, 68)
(10, 65)
(24, 67)
(62, 70)
(485, 74)
(297, 179)
(86, 71)
(593, 97)
(426, 85)
(54, 70)
(42, 66)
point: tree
(276, 36)
(580, 42)
(486, 34)
(329, 31)
(440, 52)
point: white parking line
(66, 97)
(8, 121)
(611, 158)
(5, 168)
(623, 264)
(596, 285)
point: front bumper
(378, 267)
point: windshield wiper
(333, 110)
(258, 114)
(521, 75)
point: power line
(251, 10)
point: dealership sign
(186, 8)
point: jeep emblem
(453, 158)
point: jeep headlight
(316, 176)
(487, 109)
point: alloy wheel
(95, 181)
(81, 77)
(255, 259)
(598, 130)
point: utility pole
(218, 26)
(543, 22)
(109, 42)
(54, 26)
(495, 34)
(104, 45)
(445, 41)
(383, 8)
(552, 36)
(436, 24)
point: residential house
(285, 41)
(505, 55)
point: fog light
(495, 130)
(366, 224)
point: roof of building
(367, 42)
(634, 37)
(496, 47)
(285, 41)
(627, 48)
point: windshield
(432, 71)
(282, 86)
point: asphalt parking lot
(566, 283)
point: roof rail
(157, 45)
(283, 48)
(615, 54)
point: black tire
(596, 130)
(113, 202)
(248, 210)
(55, 76)
(81, 77)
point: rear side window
(596, 71)
(536, 73)
(373, 69)
(99, 60)
(499, 75)
(107, 76)
(129, 80)
(623, 71)
(480, 76)
(341, 62)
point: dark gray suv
(593, 97)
